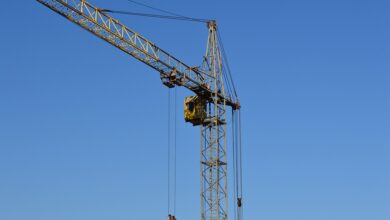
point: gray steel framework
(214, 185)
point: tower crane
(207, 108)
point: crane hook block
(194, 110)
(239, 202)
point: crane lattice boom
(172, 70)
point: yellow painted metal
(194, 110)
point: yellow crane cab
(194, 110)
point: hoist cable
(172, 151)
(241, 167)
(237, 159)
(234, 162)
(237, 164)
(240, 146)
(240, 193)
(169, 151)
(175, 152)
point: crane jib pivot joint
(212, 24)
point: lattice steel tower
(214, 191)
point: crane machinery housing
(213, 90)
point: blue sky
(83, 125)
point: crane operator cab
(194, 110)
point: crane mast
(214, 185)
(207, 108)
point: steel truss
(112, 31)
(214, 186)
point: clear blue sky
(83, 125)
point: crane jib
(112, 31)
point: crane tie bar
(182, 18)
